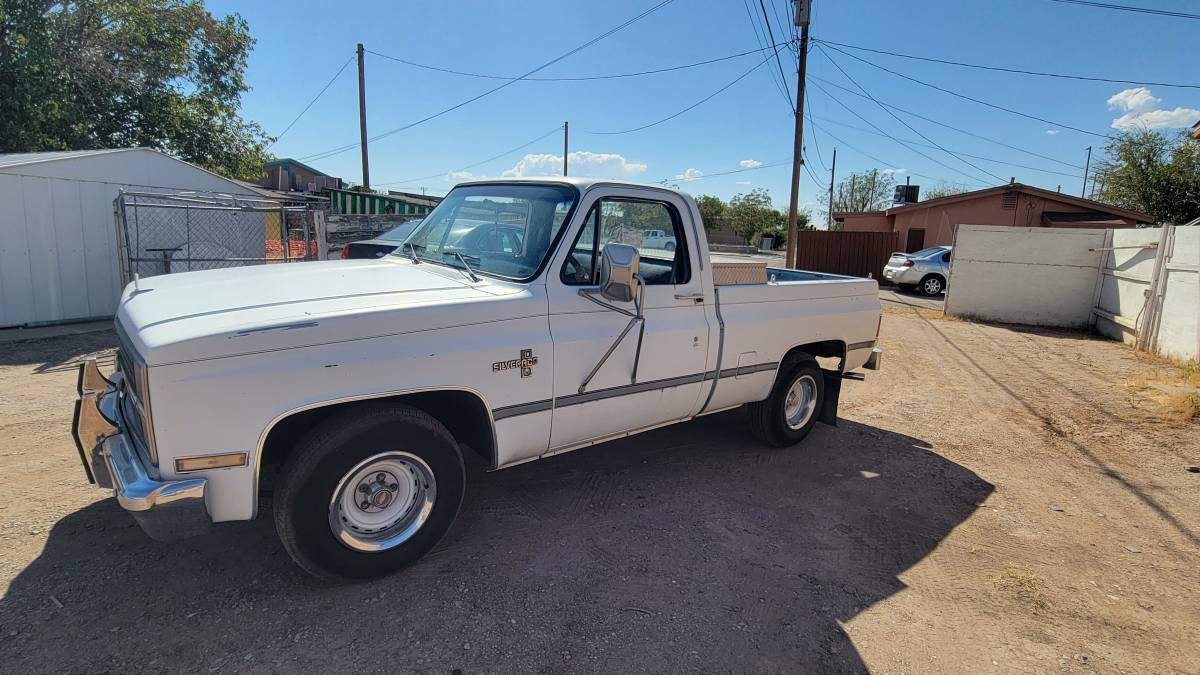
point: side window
(653, 227)
(946, 257)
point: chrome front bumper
(165, 510)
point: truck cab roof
(582, 183)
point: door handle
(698, 297)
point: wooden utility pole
(566, 134)
(832, 177)
(1086, 165)
(803, 9)
(362, 118)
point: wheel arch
(832, 378)
(464, 412)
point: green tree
(164, 74)
(753, 216)
(862, 191)
(1152, 172)
(943, 190)
(712, 210)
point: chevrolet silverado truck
(346, 393)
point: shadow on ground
(60, 353)
(689, 547)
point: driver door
(674, 352)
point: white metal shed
(58, 245)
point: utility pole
(832, 177)
(802, 12)
(362, 117)
(1087, 165)
(566, 134)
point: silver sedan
(926, 270)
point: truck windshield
(499, 230)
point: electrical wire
(579, 78)
(479, 163)
(759, 37)
(727, 173)
(964, 96)
(816, 143)
(672, 116)
(1002, 69)
(890, 164)
(310, 103)
(949, 126)
(1127, 8)
(771, 34)
(336, 151)
(906, 124)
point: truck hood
(175, 318)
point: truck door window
(664, 260)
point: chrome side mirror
(618, 272)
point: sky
(747, 125)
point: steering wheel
(577, 270)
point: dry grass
(1174, 407)
(923, 312)
(1024, 584)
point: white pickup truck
(347, 392)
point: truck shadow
(690, 547)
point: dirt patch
(994, 498)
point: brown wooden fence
(857, 254)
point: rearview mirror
(618, 272)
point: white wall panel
(16, 281)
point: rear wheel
(789, 413)
(368, 492)
(933, 285)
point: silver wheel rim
(801, 402)
(933, 286)
(382, 502)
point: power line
(886, 163)
(481, 162)
(964, 96)
(876, 127)
(310, 103)
(727, 173)
(906, 124)
(964, 154)
(759, 37)
(778, 62)
(1127, 8)
(547, 64)
(816, 144)
(672, 116)
(950, 126)
(1006, 70)
(579, 78)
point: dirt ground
(995, 499)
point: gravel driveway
(994, 499)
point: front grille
(135, 403)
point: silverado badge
(525, 363)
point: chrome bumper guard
(165, 510)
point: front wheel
(933, 285)
(789, 413)
(368, 492)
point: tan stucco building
(932, 223)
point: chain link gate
(162, 233)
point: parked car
(658, 239)
(381, 245)
(926, 270)
(345, 394)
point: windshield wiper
(412, 252)
(467, 267)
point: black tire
(768, 421)
(931, 280)
(670, 246)
(312, 474)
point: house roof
(288, 160)
(1095, 206)
(13, 159)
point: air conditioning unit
(906, 194)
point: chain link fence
(166, 233)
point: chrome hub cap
(382, 502)
(933, 286)
(801, 402)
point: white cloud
(745, 182)
(894, 172)
(459, 176)
(690, 174)
(1141, 111)
(581, 163)
(1137, 99)
(750, 163)
(1052, 132)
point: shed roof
(13, 159)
